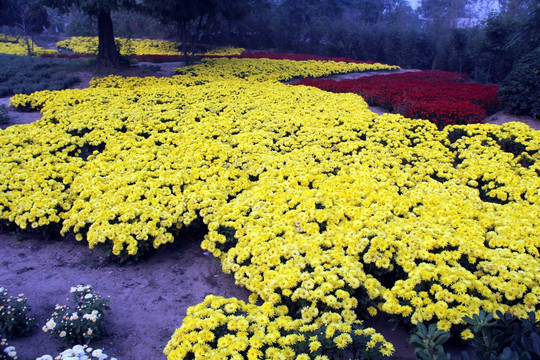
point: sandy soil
(148, 299)
(502, 117)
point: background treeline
(483, 38)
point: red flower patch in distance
(439, 96)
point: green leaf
(442, 338)
(421, 330)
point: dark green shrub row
(24, 75)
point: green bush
(80, 323)
(13, 315)
(494, 337)
(520, 91)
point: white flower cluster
(79, 352)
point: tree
(443, 13)
(516, 9)
(399, 13)
(29, 16)
(192, 16)
(520, 91)
(100, 9)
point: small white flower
(78, 349)
(67, 352)
(45, 357)
(88, 296)
(50, 324)
(98, 353)
(70, 358)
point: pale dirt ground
(148, 299)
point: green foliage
(520, 91)
(81, 323)
(4, 117)
(506, 337)
(14, 320)
(495, 337)
(24, 75)
(91, 7)
(428, 342)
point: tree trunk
(195, 37)
(107, 52)
(183, 30)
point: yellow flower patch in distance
(89, 45)
(224, 51)
(18, 46)
(273, 70)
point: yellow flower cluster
(311, 201)
(220, 328)
(272, 70)
(17, 46)
(89, 45)
(224, 51)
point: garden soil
(148, 299)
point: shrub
(520, 91)
(82, 323)
(493, 336)
(13, 315)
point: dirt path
(148, 299)
(503, 117)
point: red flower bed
(436, 95)
(297, 57)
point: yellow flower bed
(89, 45)
(17, 46)
(315, 204)
(224, 51)
(271, 70)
